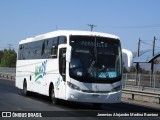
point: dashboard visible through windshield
(95, 59)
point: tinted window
(42, 49)
(62, 40)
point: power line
(134, 27)
(148, 44)
(10, 45)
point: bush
(8, 58)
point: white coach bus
(80, 66)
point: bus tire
(53, 99)
(25, 92)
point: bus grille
(91, 91)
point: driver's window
(62, 62)
(54, 48)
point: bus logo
(40, 71)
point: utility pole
(9, 46)
(138, 51)
(152, 62)
(153, 46)
(137, 65)
(92, 26)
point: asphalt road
(12, 99)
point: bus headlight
(73, 86)
(118, 88)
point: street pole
(153, 50)
(137, 65)
(92, 26)
(10, 46)
(138, 51)
(152, 62)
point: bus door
(62, 73)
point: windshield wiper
(91, 67)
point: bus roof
(67, 33)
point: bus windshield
(96, 58)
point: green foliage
(132, 69)
(8, 58)
(1, 55)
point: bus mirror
(68, 54)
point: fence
(142, 82)
(137, 82)
(6, 72)
(139, 87)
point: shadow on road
(9, 87)
(115, 107)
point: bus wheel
(25, 92)
(97, 105)
(54, 100)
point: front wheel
(53, 99)
(25, 92)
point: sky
(128, 19)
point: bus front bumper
(79, 96)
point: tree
(1, 55)
(132, 69)
(9, 58)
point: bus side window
(20, 53)
(23, 52)
(43, 48)
(54, 48)
(62, 40)
(62, 63)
